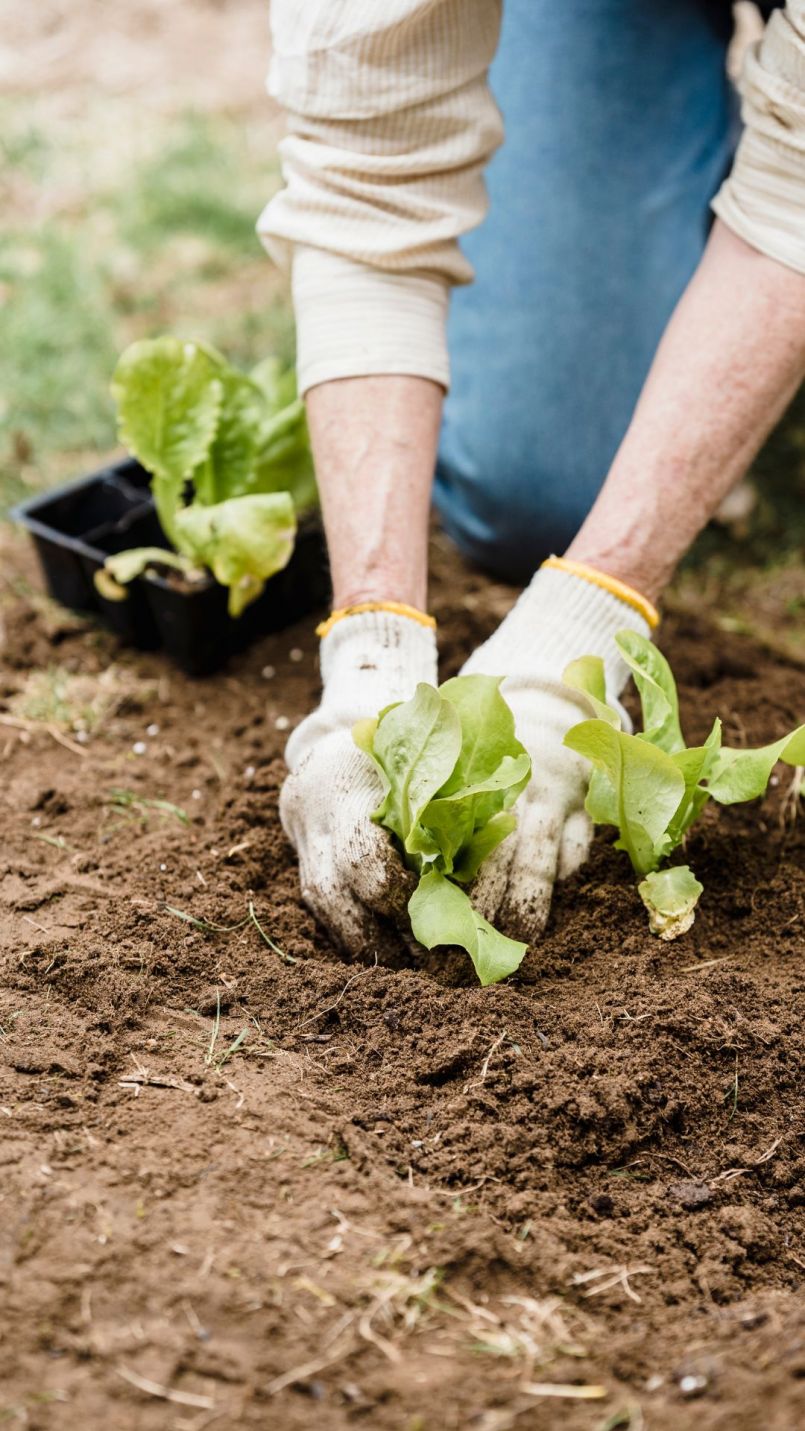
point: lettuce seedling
(451, 768)
(651, 786)
(236, 446)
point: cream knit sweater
(390, 125)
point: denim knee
(508, 518)
(619, 129)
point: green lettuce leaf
(652, 787)
(243, 541)
(646, 784)
(417, 744)
(657, 690)
(117, 571)
(587, 676)
(451, 767)
(283, 459)
(193, 421)
(276, 382)
(169, 404)
(744, 774)
(695, 765)
(441, 913)
(229, 468)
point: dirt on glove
(246, 1183)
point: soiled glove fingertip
(524, 916)
(379, 877)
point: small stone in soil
(297, 654)
(691, 1194)
(268, 673)
(152, 730)
(195, 794)
(139, 747)
(602, 1204)
(282, 723)
(250, 772)
(693, 1384)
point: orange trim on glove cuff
(395, 608)
(611, 584)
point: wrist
(607, 579)
(373, 657)
(560, 616)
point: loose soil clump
(245, 1182)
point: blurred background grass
(137, 147)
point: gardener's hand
(560, 616)
(348, 868)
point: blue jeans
(620, 125)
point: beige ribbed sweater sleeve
(763, 200)
(389, 125)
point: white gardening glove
(558, 618)
(348, 868)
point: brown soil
(378, 1195)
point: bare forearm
(374, 442)
(730, 361)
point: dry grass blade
(567, 1391)
(307, 1369)
(143, 1079)
(286, 958)
(205, 924)
(30, 725)
(164, 1393)
(608, 1277)
(121, 799)
(732, 1173)
(314, 1018)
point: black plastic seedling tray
(75, 527)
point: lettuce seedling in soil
(236, 445)
(451, 768)
(651, 786)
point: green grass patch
(162, 242)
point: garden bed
(239, 1190)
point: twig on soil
(142, 1078)
(315, 1017)
(732, 1173)
(307, 1369)
(568, 1391)
(461, 1191)
(165, 1393)
(32, 725)
(216, 1027)
(666, 1158)
(369, 1334)
(41, 927)
(485, 1069)
(609, 1277)
(707, 964)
